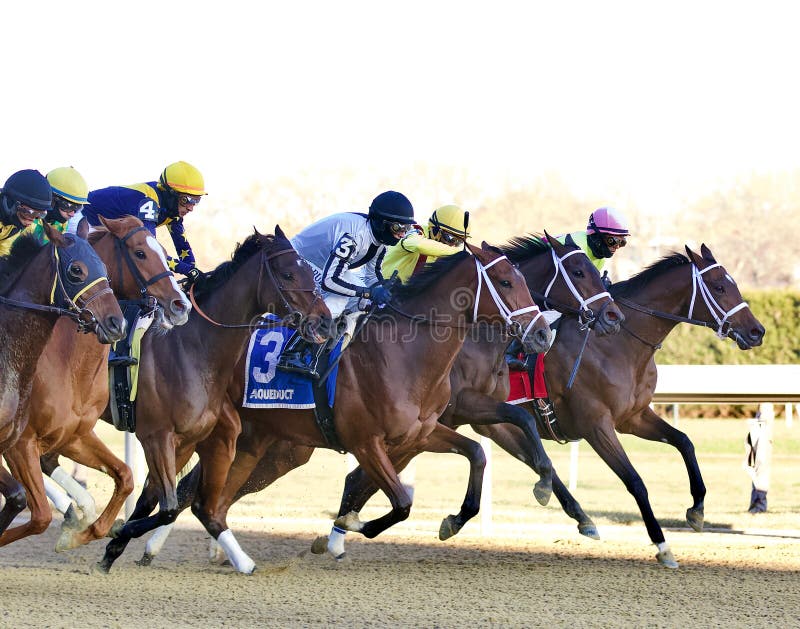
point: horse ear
(279, 233)
(54, 235)
(706, 253)
(114, 225)
(256, 232)
(692, 255)
(570, 241)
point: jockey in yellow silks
(24, 200)
(446, 235)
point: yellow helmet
(183, 177)
(450, 219)
(68, 183)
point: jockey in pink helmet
(606, 233)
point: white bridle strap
(559, 267)
(507, 314)
(713, 307)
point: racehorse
(615, 383)
(389, 395)
(183, 377)
(70, 388)
(37, 285)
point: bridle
(585, 314)
(718, 313)
(63, 303)
(148, 303)
(282, 290)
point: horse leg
(654, 428)
(475, 408)
(604, 441)
(89, 450)
(513, 440)
(23, 461)
(83, 499)
(216, 456)
(160, 455)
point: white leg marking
(236, 555)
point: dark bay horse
(615, 383)
(183, 376)
(392, 388)
(70, 387)
(37, 285)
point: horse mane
(24, 249)
(522, 248)
(252, 245)
(429, 274)
(634, 284)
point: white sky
(641, 99)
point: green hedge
(779, 313)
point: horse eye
(578, 273)
(75, 272)
(287, 276)
(140, 254)
(719, 288)
(505, 283)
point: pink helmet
(607, 220)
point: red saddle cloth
(520, 381)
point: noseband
(584, 312)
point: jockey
(24, 199)
(165, 202)
(345, 252)
(605, 234)
(447, 231)
(69, 196)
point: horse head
(506, 297)
(141, 269)
(292, 288)
(81, 287)
(576, 280)
(723, 302)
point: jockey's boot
(293, 359)
(121, 358)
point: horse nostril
(178, 306)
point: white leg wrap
(157, 539)
(82, 497)
(336, 541)
(663, 546)
(236, 555)
(57, 496)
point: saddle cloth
(268, 387)
(521, 389)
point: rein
(281, 290)
(124, 254)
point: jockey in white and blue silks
(345, 251)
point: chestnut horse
(560, 274)
(70, 388)
(615, 383)
(393, 384)
(184, 376)
(37, 285)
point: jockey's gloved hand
(515, 364)
(379, 294)
(606, 280)
(191, 277)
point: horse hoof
(695, 517)
(666, 559)
(66, 541)
(320, 545)
(101, 568)
(339, 557)
(542, 492)
(115, 529)
(349, 522)
(589, 530)
(449, 527)
(71, 519)
(145, 561)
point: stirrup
(293, 363)
(122, 361)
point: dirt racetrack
(534, 570)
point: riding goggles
(450, 239)
(63, 205)
(187, 200)
(28, 211)
(398, 229)
(615, 241)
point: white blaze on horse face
(159, 251)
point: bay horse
(184, 376)
(389, 394)
(39, 283)
(615, 383)
(70, 387)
